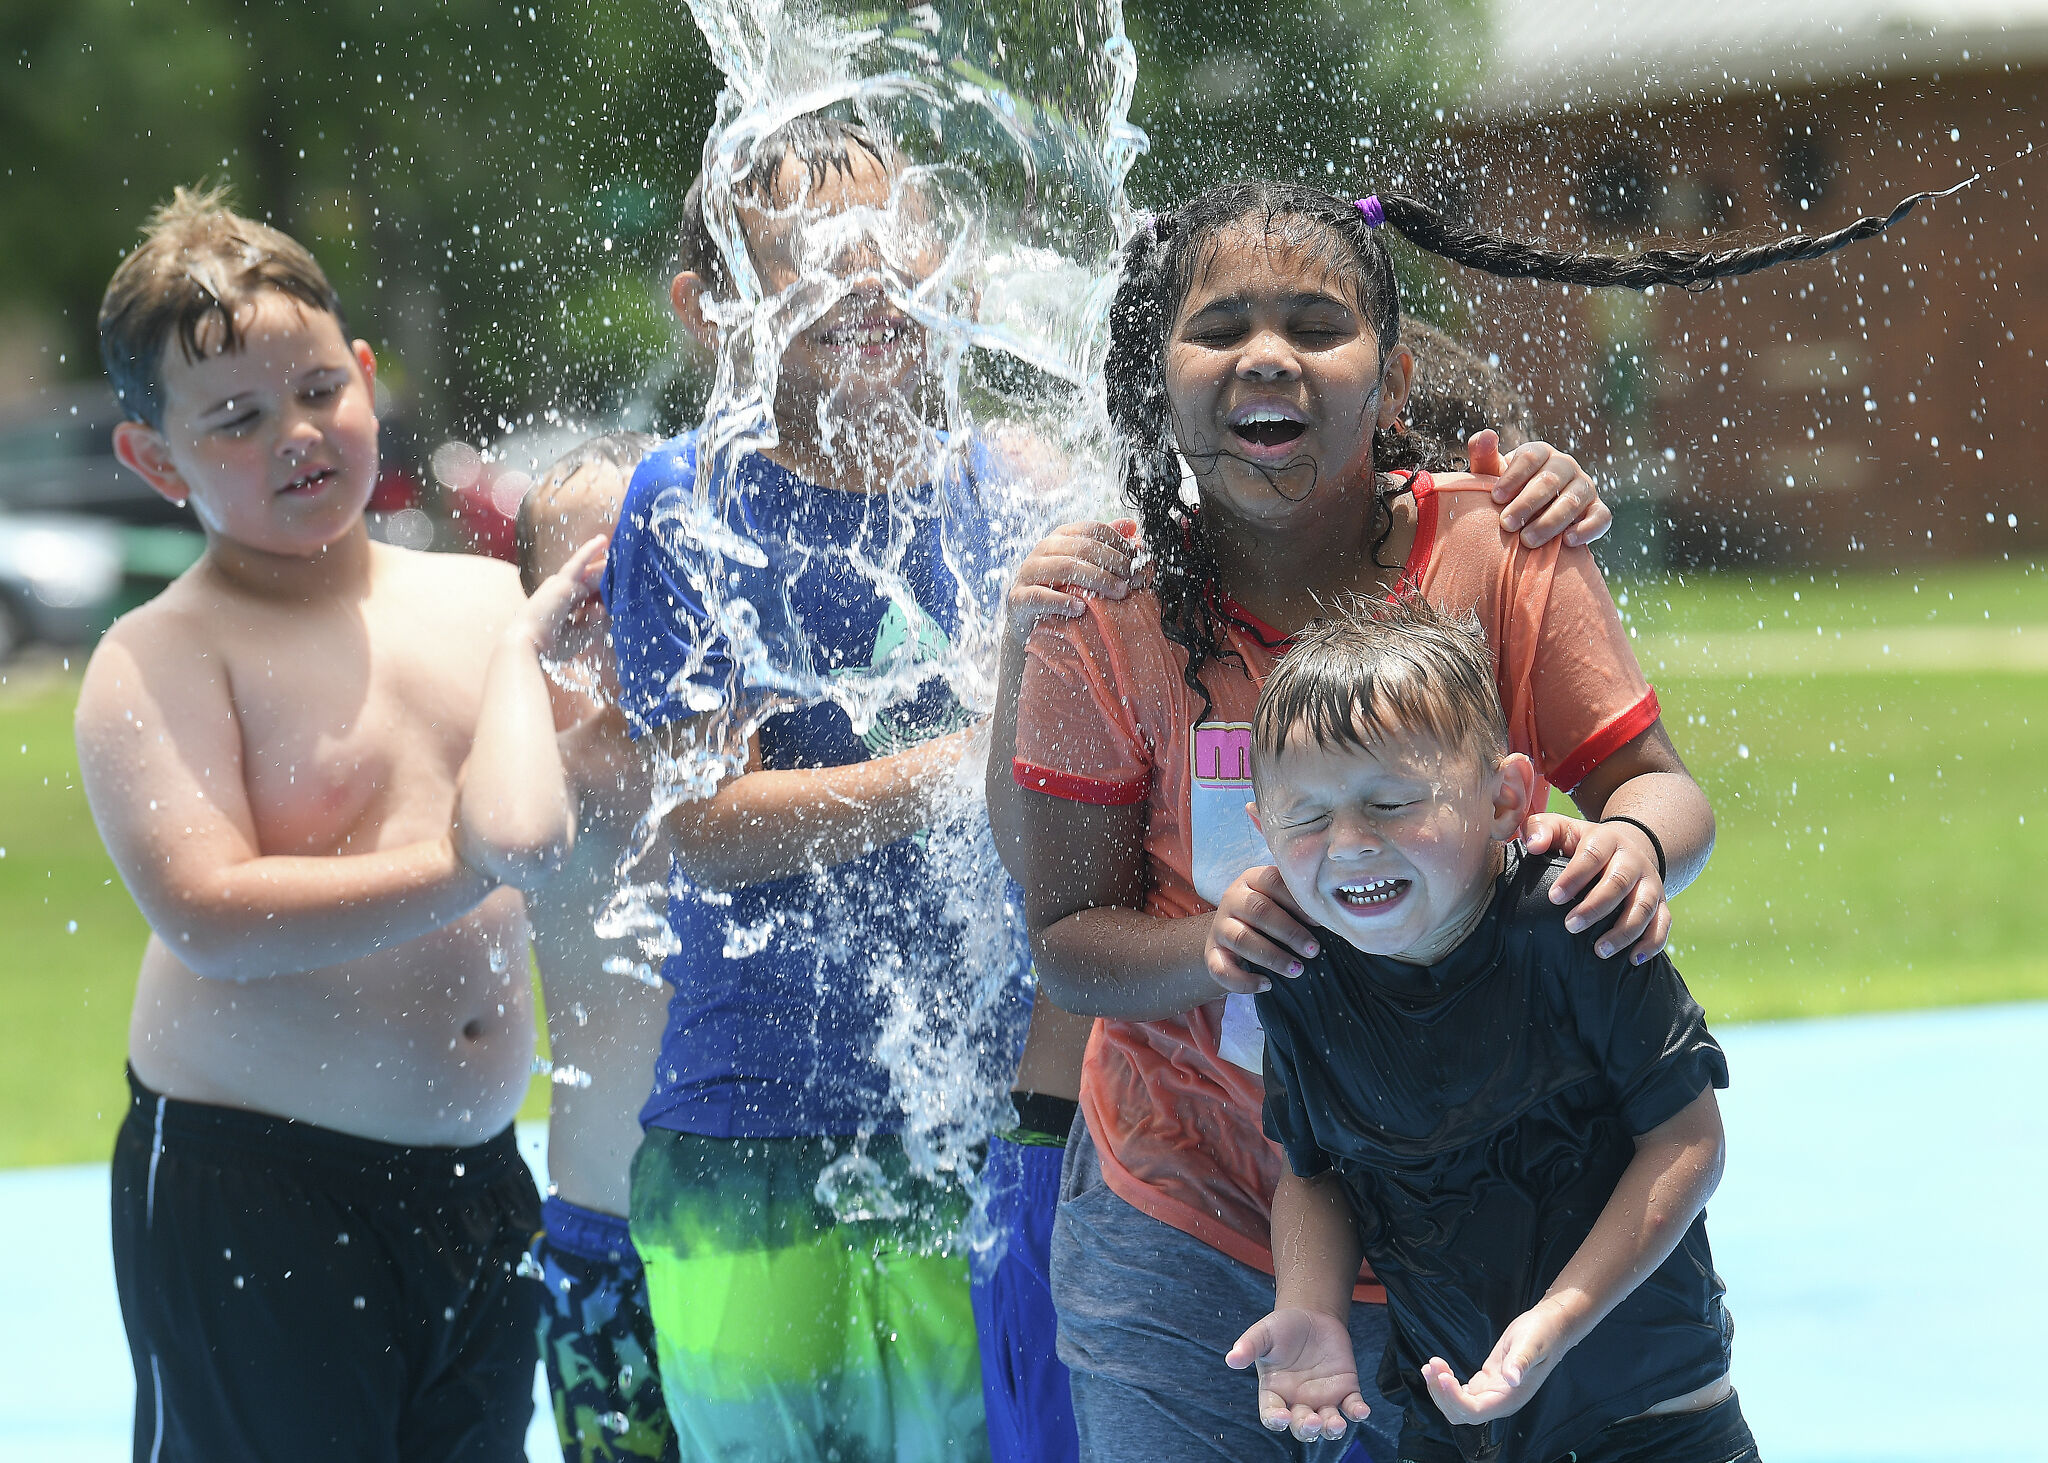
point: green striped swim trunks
(788, 1333)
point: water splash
(1010, 141)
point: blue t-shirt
(781, 988)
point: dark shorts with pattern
(294, 1293)
(597, 1339)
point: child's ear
(145, 451)
(1514, 795)
(1396, 377)
(686, 298)
(1252, 810)
(366, 358)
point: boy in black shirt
(1519, 1135)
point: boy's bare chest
(352, 741)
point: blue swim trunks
(1023, 1381)
(597, 1339)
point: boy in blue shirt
(1519, 1135)
(790, 1327)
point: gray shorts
(1146, 1314)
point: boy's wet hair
(824, 145)
(619, 451)
(199, 262)
(1162, 261)
(1377, 669)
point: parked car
(60, 578)
(64, 499)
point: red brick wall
(1954, 352)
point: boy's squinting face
(1392, 846)
(863, 348)
(273, 444)
(1275, 378)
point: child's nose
(1268, 357)
(1353, 837)
(298, 438)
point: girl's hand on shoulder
(1257, 928)
(558, 596)
(1542, 492)
(1308, 1374)
(1074, 559)
(1526, 1354)
(1615, 867)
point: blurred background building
(1875, 408)
(495, 193)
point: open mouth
(308, 483)
(1371, 895)
(1268, 428)
(874, 333)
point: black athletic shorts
(293, 1293)
(1714, 1434)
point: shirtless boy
(550, 798)
(318, 1207)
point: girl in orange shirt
(1254, 373)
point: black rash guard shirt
(1480, 1112)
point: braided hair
(1159, 267)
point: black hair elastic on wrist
(1648, 832)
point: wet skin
(862, 364)
(605, 1027)
(270, 749)
(1393, 846)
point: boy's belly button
(473, 1029)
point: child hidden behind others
(318, 1209)
(551, 795)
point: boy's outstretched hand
(1526, 1354)
(558, 596)
(1308, 1376)
(1257, 927)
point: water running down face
(1393, 845)
(853, 224)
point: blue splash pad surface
(1879, 1229)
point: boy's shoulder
(173, 632)
(1532, 920)
(672, 464)
(437, 604)
(444, 574)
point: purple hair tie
(1370, 207)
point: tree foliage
(494, 187)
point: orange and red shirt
(1104, 717)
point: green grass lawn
(1882, 794)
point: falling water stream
(1010, 141)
